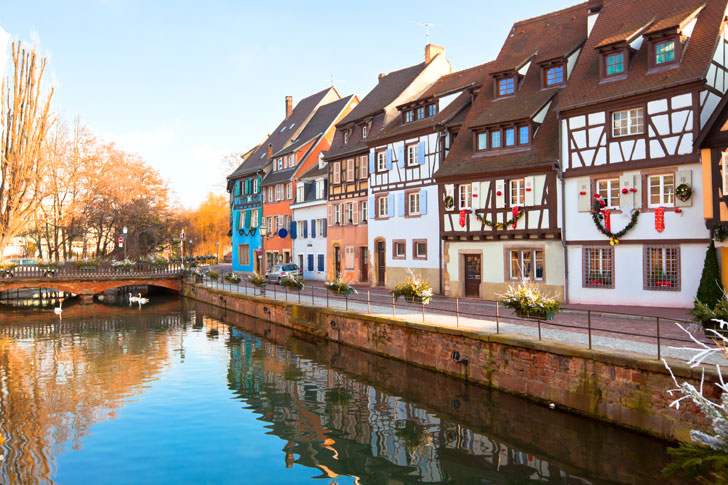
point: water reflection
(182, 392)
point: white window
(364, 131)
(526, 264)
(320, 228)
(269, 224)
(628, 122)
(255, 185)
(337, 214)
(319, 189)
(280, 164)
(299, 192)
(254, 218)
(349, 258)
(292, 160)
(364, 167)
(350, 170)
(466, 200)
(419, 249)
(608, 190)
(346, 137)
(383, 206)
(411, 155)
(400, 249)
(364, 211)
(289, 191)
(299, 229)
(336, 173)
(518, 193)
(270, 194)
(349, 219)
(381, 161)
(413, 203)
(661, 190)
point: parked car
(280, 271)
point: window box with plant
(87, 264)
(292, 283)
(414, 289)
(232, 277)
(339, 287)
(123, 265)
(528, 302)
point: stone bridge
(86, 284)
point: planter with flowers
(413, 289)
(292, 283)
(528, 302)
(339, 287)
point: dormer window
(482, 139)
(665, 52)
(409, 116)
(421, 112)
(524, 135)
(614, 64)
(554, 75)
(364, 131)
(506, 86)
(510, 136)
(495, 139)
(503, 137)
(346, 137)
(431, 110)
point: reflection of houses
(350, 161)
(647, 81)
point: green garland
(501, 225)
(614, 236)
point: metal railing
(80, 271)
(624, 332)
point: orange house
(287, 165)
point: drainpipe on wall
(440, 243)
(560, 175)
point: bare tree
(25, 118)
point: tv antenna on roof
(427, 26)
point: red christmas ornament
(499, 193)
(678, 211)
(608, 220)
(624, 191)
(660, 219)
(582, 193)
(514, 210)
(633, 190)
(463, 212)
(528, 189)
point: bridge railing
(86, 271)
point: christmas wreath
(449, 202)
(614, 236)
(683, 192)
(501, 225)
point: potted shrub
(212, 274)
(528, 302)
(292, 283)
(232, 277)
(339, 287)
(414, 289)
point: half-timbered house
(649, 78)
(404, 225)
(498, 187)
(309, 217)
(318, 113)
(348, 160)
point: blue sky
(183, 83)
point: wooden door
(337, 261)
(381, 266)
(363, 264)
(472, 275)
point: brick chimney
(382, 75)
(431, 50)
(289, 105)
(269, 152)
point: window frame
(337, 214)
(610, 189)
(521, 192)
(510, 87)
(300, 190)
(662, 202)
(478, 135)
(364, 215)
(588, 277)
(528, 134)
(408, 203)
(469, 196)
(534, 261)
(364, 131)
(605, 63)
(661, 284)
(654, 46)
(547, 69)
(629, 112)
(363, 167)
(410, 149)
(246, 247)
(379, 205)
(399, 243)
(408, 116)
(415, 254)
(336, 173)
(381, 159)
(346, 137)
(420, 113)
(432, 110)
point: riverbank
(625, 390)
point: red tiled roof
(551, 36)
(630, 29)
(675, 20)
(584, 85)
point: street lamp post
(124, 231)
(217, 254)
(263, 229)
(182, 247)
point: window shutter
(355, 212)
(310, 262)
(260, 179)
(421, 153)
(260, 216)
(625, 200)
(330, 213)
(313, 228)
(500, 187)
(684, 177)
(390, 205)
(305, 228)
(637, 183)
(371, 163)
(585, 196)
(423, 202)
(400, 156)
(400, 204)
(236, 224)
(724, 163)
(475, 195)
(325, 229)
(320, 262)
(389, 159)
(529, 195)
(294, 230)
(372, 209)
(247, 218)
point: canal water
(182, 392)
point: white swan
(58, 310)
(134, 298)
(141, 300)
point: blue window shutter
(325, 226)
(294, 230)
(247, 218)
(372, 209)
(371, 162)
(305, 229)
(321, 261)
(310, 262)
(236, 224)
(260, 179)
(389, 159)
(400, 156)
(421, 153)
(423, 201)
(260, 216)
(313, 227)
(390, 205)
(400, 204)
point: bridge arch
(91, 286)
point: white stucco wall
(306, 246)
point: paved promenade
(633, 330)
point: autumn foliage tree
(207, 224)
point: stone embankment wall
(625, 390)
